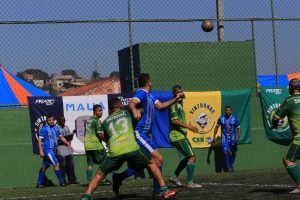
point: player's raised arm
(160, 106)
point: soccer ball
(207, 25)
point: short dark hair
(49, 116)
(96, 106)
(113, 102)
(143, 79)
(227, 107)
(294, 84)
(176, 87)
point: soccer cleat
(63, 184)
(86, 197)
(193, 185)
(175, 181)
(116, 183)
(39, 186)
(105, 182)
(295, 191)
(169, 194)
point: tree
(114, 74)
(69, 72)
(95, 75)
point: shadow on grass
(273, 191)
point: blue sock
(156, 185)
(41, 177)
(59, 176)
(227, 160)
(127, 173)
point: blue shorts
(145, 142)
(49, 158)
(230, 145)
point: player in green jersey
(291, 108)
(119, 135)
(179, 140)
(95, 152)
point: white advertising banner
(77, 109)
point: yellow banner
(202, 110)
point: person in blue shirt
(142, 108)
(47, 144)
(230, 136)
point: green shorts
(293, 152)
(137, 160)
(95, 157)
(184, 147)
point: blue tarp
(270, 80)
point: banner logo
(274, 91)
(283, 123)
(47, 102)
(204, 115)
(82, 106)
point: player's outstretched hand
(180, 96)
(193, 128)
(42, 154)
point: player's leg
(292, 155)
(109, 165)
(45, 165)
(233, 150)
(141, 159)
(90, 164)
(99, 157)
(225, 146)
(62, 166)
(55, 163)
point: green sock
(164, 189)
(174, 175)
(190, 169)
(294, 173)
(89, 174)
(86, 196)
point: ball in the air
(207, 25)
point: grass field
(256, 184)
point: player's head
(50, 120)
(115, 104)
(61, 120)
(98, 111)
(144, 80)
(294, 86)
(228, 111)
(176, 89)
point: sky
(88, 47)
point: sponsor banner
(271, 99)
(124, 97)
(77, 109)
(39, 108)
(202, 110)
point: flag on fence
(271, 99)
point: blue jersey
(146, 101)
(228, 127)
(50, 136)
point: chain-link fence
(82, 38)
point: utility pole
(220, 23)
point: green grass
(251, 184)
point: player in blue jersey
(142, 107)
(230, 135)
(47, 143)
